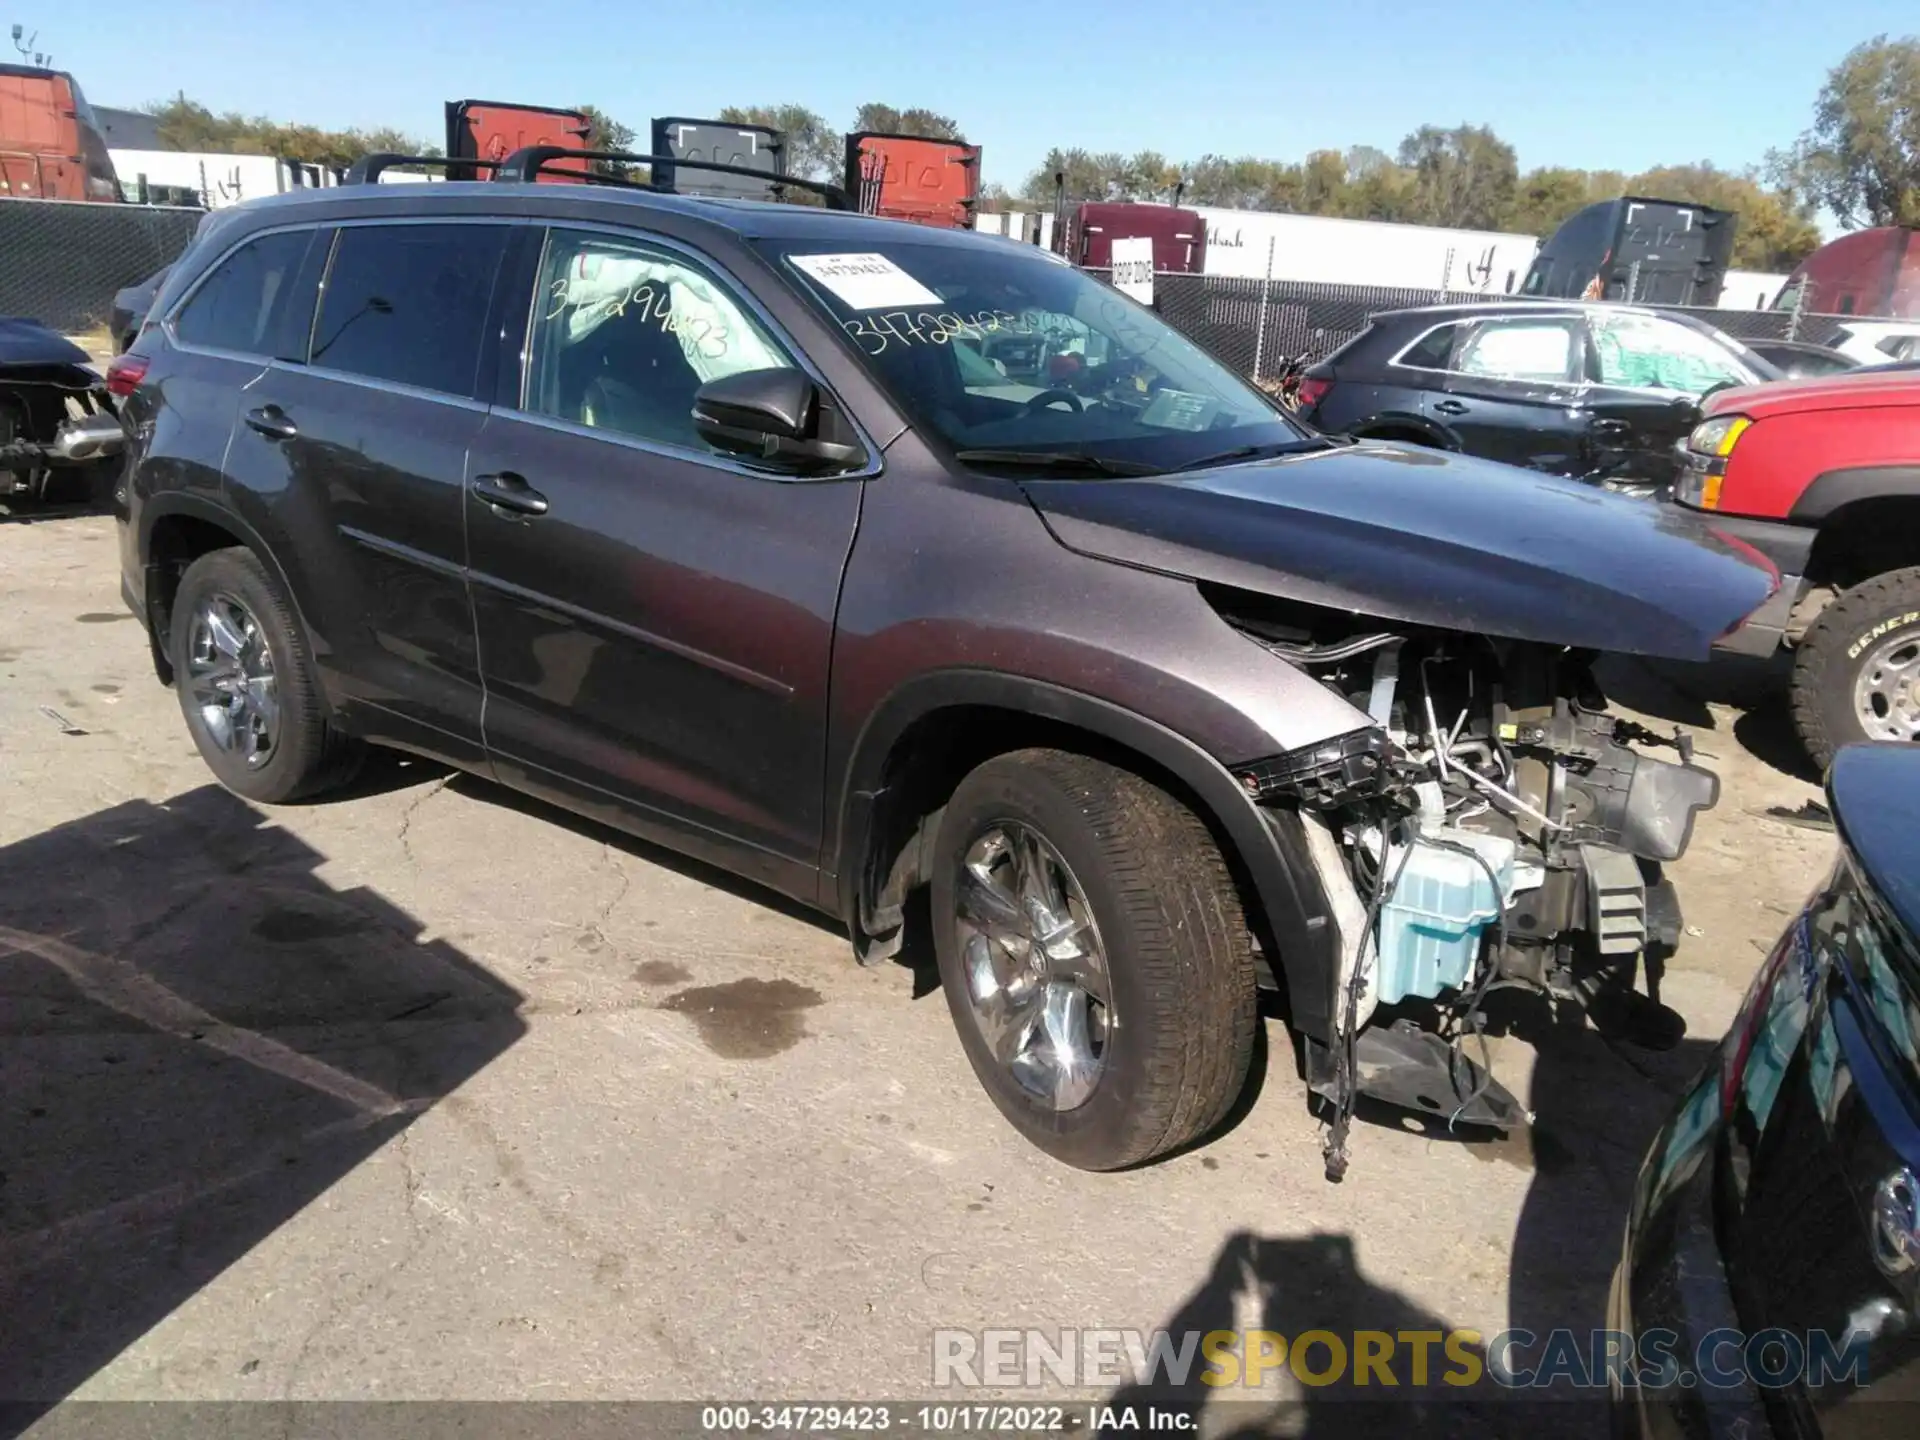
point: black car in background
(130, 307)
(1599, 392)
(1780, 1205)
(1802, 359)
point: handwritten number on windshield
(877, 332)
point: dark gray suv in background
(856, 558)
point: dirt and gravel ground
(432, 1093)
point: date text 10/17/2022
(945, 1419)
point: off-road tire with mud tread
(1827, 660)
(311, 754)
(1179, 954)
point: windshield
(998, 348)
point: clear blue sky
(1619, 85)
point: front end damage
(1492, 825)
(58, 429)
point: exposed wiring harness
(1346, 1087)
(1326, 654)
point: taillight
(124, 374)
(1313, 389)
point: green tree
(1544, 197)
(1861, 159)
(1774, 228)
(1464, 177)
(606, 133)
(1085, 176)
(1241, 183)
(927, 124)
(185, 124)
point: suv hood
(1849, 390)
(1427, 538)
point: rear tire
(247, 687)
(1148, 890)
(1856, 672)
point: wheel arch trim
(1832, 490)
(1269, 846)
(1369, 428)
(172, 504)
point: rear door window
(242, 303)
(1540, 350)
(408, 303)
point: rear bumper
(1785, 547)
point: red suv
(1823, 478)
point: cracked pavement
(433, 1092)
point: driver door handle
(510, 492)
(1450, 407)
(1611, 430)
(272, 422)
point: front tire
(1095, 957)
(246, 684)
(1856, 672)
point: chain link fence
(1260, 327)
(62, 261)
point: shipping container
(217, 180)
(907, 177)
(1325, 250)
(50, 143)
(1749, 290)
(1870, 272)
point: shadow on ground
(197, 1037)
(1597, 1104)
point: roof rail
(524, 165)
(368, 168)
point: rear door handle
(1450, 407)
(272, 422)
(508, 491)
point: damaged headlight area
(1490, 825)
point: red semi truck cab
(494, 129)
(1179, 236)
(1870, 272)
(1823, 478)
(908, 177)
(51, 147)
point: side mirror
(773, 415)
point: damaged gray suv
(865, 560)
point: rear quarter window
(1432, 350)
(243, 300)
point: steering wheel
(1046, 399)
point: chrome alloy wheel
(231, 681)
(1036, 972)
(1886, 696)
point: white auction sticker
(866, 282)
